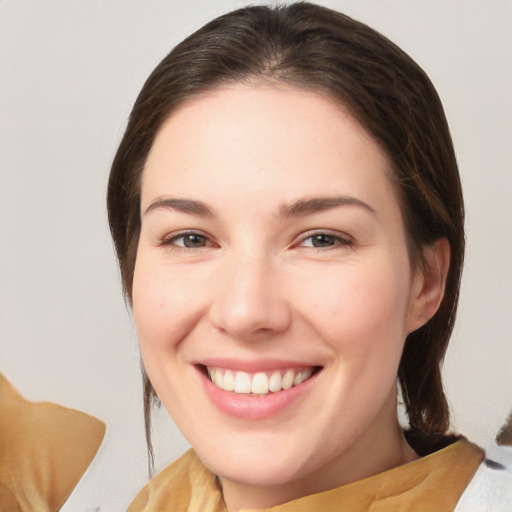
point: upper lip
(253, 366)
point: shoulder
(171, 483)
(184, 485)
(491, 486)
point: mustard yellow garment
(44, 451)
(431, 484)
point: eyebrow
(181, 205)
(299, 208)
(304, 207)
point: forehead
(259, 137)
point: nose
(250, 302)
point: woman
(288, 217)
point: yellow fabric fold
(44, 451)
(431, 484)
(185, 485)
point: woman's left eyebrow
(309, 206)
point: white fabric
(490, 490)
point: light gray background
(69, 73)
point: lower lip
(254, 407)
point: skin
(255, 287)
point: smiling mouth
(260, 383)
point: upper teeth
(258, 383)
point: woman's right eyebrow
(189, 206)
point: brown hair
(312, 47)
(504, 436)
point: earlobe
(429, 284)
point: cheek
(358, 308)
(164, 305)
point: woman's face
(272, 256)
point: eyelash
(338, 240)
(170, 241)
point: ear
(429, 284)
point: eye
(188, 240)
(324, 240)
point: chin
(257, 463)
